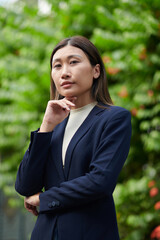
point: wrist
(46, 127)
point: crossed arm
(104, 170)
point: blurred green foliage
(127, 34)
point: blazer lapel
(56, 147)
(78, 135)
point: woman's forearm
(31, 170)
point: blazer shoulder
(113, 111)
(112, 115)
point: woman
(78, 152)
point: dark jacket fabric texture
(77, 199)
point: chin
(67, 95)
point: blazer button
(55, 204)
(50, 205)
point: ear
(96, 70)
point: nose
(65, 73)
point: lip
(66, 84)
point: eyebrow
(70, 56)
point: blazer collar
(57, 141)
(56, 147)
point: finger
(28, 207)
(31, 209)
(35, 212)
(66, 107)
(25, 203)
(70, 101)
(61, 104)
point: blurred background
(127, 34)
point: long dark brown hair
(99, 89)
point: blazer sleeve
(31, 170)
(105, 167)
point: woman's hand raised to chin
(56, 112)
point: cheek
(88, 76)
(53, 74)
(88, 71)
(55, 78)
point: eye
(57, 66)
(74, 62)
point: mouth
(66, 84)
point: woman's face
(72, 72)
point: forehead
(68, 51)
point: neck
(81, 102)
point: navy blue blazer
(77, 198)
